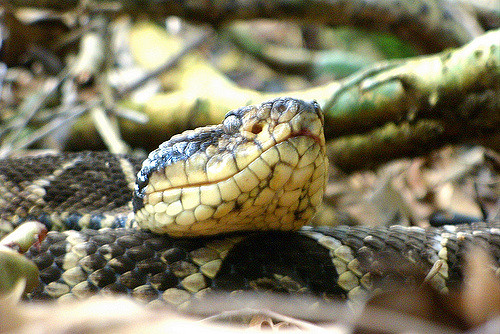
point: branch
(449, 97)
(432, 86)
(431, 25)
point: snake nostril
(256, 128)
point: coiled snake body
(215, 209)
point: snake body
(216, 209)
(341, 262)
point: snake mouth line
(306, 133)
(302, 133)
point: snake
(216, 209)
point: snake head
(263, 167)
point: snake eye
(231, 124)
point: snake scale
(218, 208)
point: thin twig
(28, 109)
(108, 131)
(357, 78)
(130, 114)
(3, 73)
(273, 315)
(45, 130)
